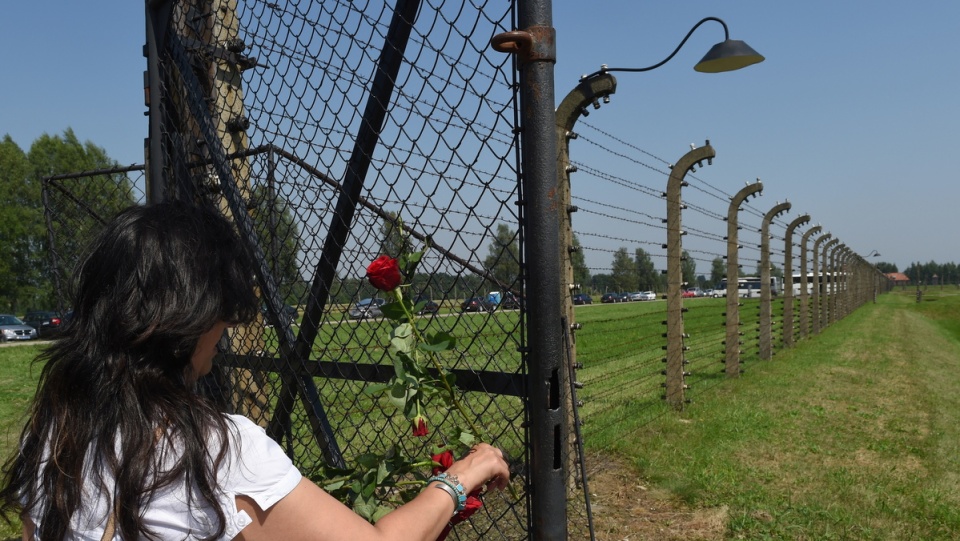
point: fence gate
(323, 128)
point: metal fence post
(535, 48)
(804, 285)
(731, 345)
(820, 282)
(766, 308)
(675, 347)
(788, 299)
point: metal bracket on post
(675, 360)
(804, 285)
(788, 299)
(732, 351)
(766, 309)
(536, 43)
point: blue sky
(852, 117)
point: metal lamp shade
(730, 55)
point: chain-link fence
(333, 132)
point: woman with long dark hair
(120, 445)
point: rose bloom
(384, 273)
(420, 427)
(445, 459)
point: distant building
(898, 278)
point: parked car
(624, 297)
(708, 293)
(12, 328)
(290, 314)
(648, 296)
(429, 306)
(610, 297)
(689, 294)
(476, 304)
(582, 298)
(511, 302)
(367, 308)
(48, 324)
(635, 296)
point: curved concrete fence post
(766, 293)
(731, 344)
(805, 281)
(675, 346)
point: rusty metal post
(804, 282)
(766, 298)
(788, 299)
(818, 285)
(731, 344)
(829, 275)
(675, 347)
(534, 45)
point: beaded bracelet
(451, 485)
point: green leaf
(399, 395)
(394, 310)
(382, 511)
(402, 338)
(365, 507)
(410, 263)
(437, 342)
(467, 438)
(377, 388)
(330, 487)
(382, 472)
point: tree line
(26, 273)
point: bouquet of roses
(420, 381)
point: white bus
(811, 282)
(748, 286)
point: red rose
(445, 459)
(474, 503)
(384, 273)
(420, 427)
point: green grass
(18, 380)
(852, 435)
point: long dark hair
(120, 378)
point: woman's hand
(483, 465)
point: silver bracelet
(449, 490)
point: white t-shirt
(254, 466)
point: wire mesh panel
(76, 206)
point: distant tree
(503, 255)
(18, 223)
(885, 267)
(718, 269)
(688, 269)
(100, 197)
(581, 273)
(279, 237)
(647, 277)
(393, 239)
(623, 271)
(602, 283)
